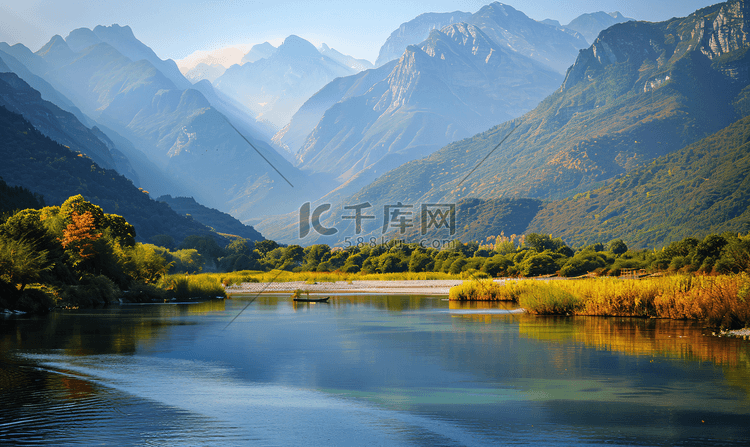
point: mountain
(193, 141)
(513, 29)
(590, 25)
(222, 223)
(699, 190)
(63, 127)
(124, 41)
(641, 91)
(204, 71)
(414, 32)
(456, 83)
(273, 88)
(9, 56)
(225, 57)
(35, 162)
(355, 64)
(293, 135)
(257, 52)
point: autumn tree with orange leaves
(79, 237)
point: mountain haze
(273, 88)
(453, 85)
(415, 31)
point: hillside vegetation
(701, 189)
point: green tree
(537, 264)
(617, 247)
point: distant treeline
(515, 256)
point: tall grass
(723, 301)
(486, 290)
(191, 286)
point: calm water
(365, 370)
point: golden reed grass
(721, 300)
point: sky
(176, 28)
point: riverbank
(394, 287)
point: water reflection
(369, 370)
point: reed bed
(722, 301)
(183, 287)
(486, 290)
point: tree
(146, 263)
(538, 264)
(79, 237)
(265, 246)
(21, 263)
(420, 262)
(617, 247)
(314, 255)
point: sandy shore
(416, 287)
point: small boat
(312, 300)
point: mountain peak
(81, 38)
(295, 46)
(124, 31)
(56, 51)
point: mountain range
(640, 91)
(456, 83)
(577, 132)
(274, 87)
(193, 136)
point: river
(365, 370)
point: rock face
(273, 88)
(727, 31)
(414, 32)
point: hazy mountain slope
(590, 25)
(355, 64)
(511, 28)
(276, 86)
(18, 97)
(257, 52)
(699, 190)
(205, 71)
(415, 31)
(293, 135)
(220, 222)
(48, 92)
(35, 162)
(122, 39)
(189, 139)
(453, 85)
(640, 91)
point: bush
(35, 301)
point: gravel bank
(415, 287)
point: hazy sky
(176, 28)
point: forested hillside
(37, 163)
